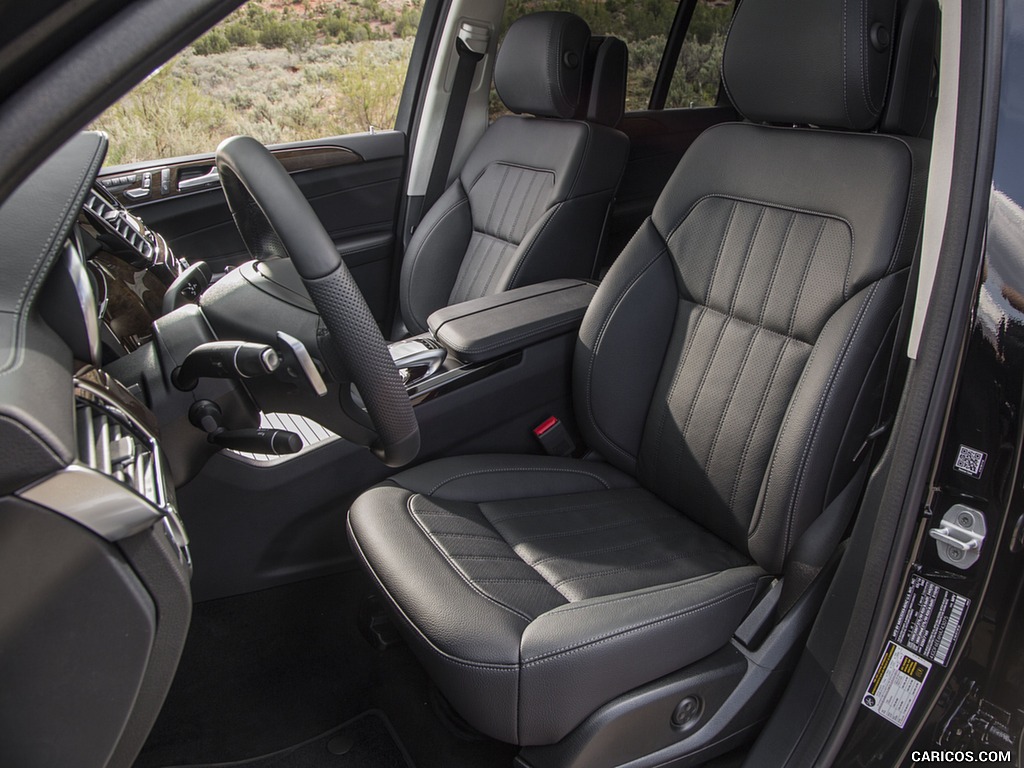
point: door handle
(194, 182)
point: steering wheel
(275, 220)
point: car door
(291, 79)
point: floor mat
(365, 741)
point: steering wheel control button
(960, 535)
(687, 713)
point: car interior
(547, 458)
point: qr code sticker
(970, 461)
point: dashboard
(82, 282)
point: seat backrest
(734, 356)
(530, 202)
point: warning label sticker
(896, 684)
(930, 619)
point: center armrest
(491, 326)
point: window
(277, 70)
(697, 76)
(644, 27)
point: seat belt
(464, 72)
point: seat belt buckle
(554, 437)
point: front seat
(725, 375)
(531, 200)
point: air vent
(118, 222)
(108, 445)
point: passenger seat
(531, 201)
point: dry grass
(275, 95)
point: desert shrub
(407, 23)
(211, 42)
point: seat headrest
(539, 68)
(810, 62)
(604, 81)
(912, 96)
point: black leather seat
(531, 199)
(726, 373)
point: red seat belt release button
(554, 437)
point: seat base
(535, 589)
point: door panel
(352, 182)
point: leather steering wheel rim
(275, 220)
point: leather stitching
(757, 421)
(733, 389)
(633, 628)
(718, 256)
(592, 529)
(680, 367)
(764, 203)
(660, 538)
(597, 345)
(624, 569)
(820, 409)
(455, 567)
(462, 475)
(846, 105)
(803, 279)
(524, 257)
(601, 602)
(552, 510)
(746, 260)
(775, 269)
(415, 257)
(480, 665)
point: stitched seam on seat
(597, 345)
(500, 558)
(612, 548)
(680, 367)
(571, 649)
(733, 389)
(757, 421)
(580, 164)
(767, 204)
(550, 213)
(774, 272)
(911, 199)
(416, 256)
(718, 256)
(803, 279)
(700, 385)
(485, 666)
(569, 607)
(461, 475)
(820, 409)
(455, 567)
(846, 106)
(578, 532)
(624, 569)
(551, 510)
(507, 208)
(746, 260)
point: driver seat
(725, 376)
(531, 199)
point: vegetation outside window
(276, 70)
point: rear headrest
(604, 81)
(810, 62)
(909, 107)
(539, 69)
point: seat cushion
(537, 588)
